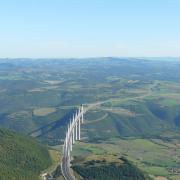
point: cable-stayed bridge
(73, 134)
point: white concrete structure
(73, 134)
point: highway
(65, 161)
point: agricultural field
(135, 112)
(154, 156)
(43, 111)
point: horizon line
(88, 57)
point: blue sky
(89, 28)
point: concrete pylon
(65, 144)
(71, 135)
(73, 138)
(76, 129)
(79, 128)
(79, 111)
(76, 115)
(72, 130)
(68, 131)
(70, 125)
(71, 143)
(68, 158)
(73, 119)
(68, 152)
(82, 117)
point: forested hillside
(136, 112)
(101, 170)
(21, 157)
(141, 97)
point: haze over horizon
(90, 89)
(62, 29)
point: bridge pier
(79, 129)
(76, 131)
(82, 117)
(73, 134)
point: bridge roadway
(65, 162)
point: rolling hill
(139, 105)
(142, 96)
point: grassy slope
(154, 156)
(60, 85)
(148, 91)
(149, 113)
(21, 157)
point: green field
(137, 114)
(154, 156)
